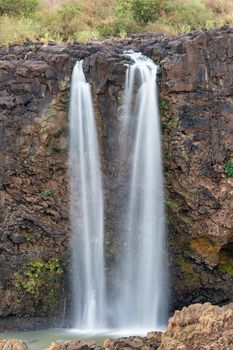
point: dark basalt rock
(196, 89)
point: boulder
(200, 327)
(12, 344)
(151, 341)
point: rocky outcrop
(12, 344)
(152, 341)
(200, 327)
(197, 119)
(196, 103)
(74, 345)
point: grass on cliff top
(78, 20)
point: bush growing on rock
(228, 169)
(46, 193)
(41, 280)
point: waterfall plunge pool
(42, 339)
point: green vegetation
(145, 11)
(225, 263)
(29, 238)
(228, 169)
(61, 102)
(46, 193)
(108, 245)
(171, 124)
(185, 219)
(226, 267)
(191, 277)
(42, 281)
(166, 154)
(170, 203)
(78, 20)
(18, 7)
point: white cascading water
(86, 209)
(142, 301)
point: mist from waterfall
(142, 299)
(86, 209)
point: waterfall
(86, 208)
(142, 300)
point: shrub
(46, 193)
(171, 124)
(17, 29)
(18, 7)
(29, 238)
(192, 13)
(228, 169)
(66, 15)
(148, 10)
(145, 11)
(121, 25)
(59, 24)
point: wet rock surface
(196, 102)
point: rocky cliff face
(196, 102)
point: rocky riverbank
(197, 327)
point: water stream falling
(142, 301)
(86, 209)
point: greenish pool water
(41, 339)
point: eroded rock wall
(197, 120)
(34, 96)
(196, 102)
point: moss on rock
(206, 248)
(42, 281)
(191, 277)
(225, 263)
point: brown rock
(154, 339)
(12, 344)
(107, 343)
(142, 343)
(199, 327)
(74, 345)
